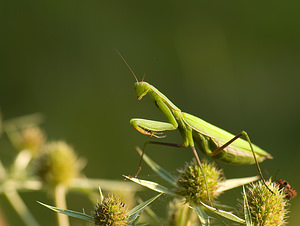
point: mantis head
(141, 89)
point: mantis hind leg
(159, 143)
(177, 146)
(252, 150)
(202, 171)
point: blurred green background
(234, 64)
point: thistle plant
(264, 207)
(189, 186)
(111, 212)
(46, 166)
(191, 182)
(58, 165)
(54, 167)
(32, 139)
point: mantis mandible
(211, 140)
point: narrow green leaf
(152, 185)
(106, 185)
(203, 217)
(152, 215)
(247, 209)
(101, 195)
(70, 213)
(133, 220)
(164, 174)
(223, 213)
(224, 207)
(134, 213)
(232, 183)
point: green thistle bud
(191, 183)
(32, 139)
(58, 164)
(111, 212)
(267, 208)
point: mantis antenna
(146, 71)
(128, 66)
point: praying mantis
(209, 139)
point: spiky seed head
(191, 183)
(267, 208)
(58, 164)
(32, 139)
(111, 212)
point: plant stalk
(17, 203)
(60, 201)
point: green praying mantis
(209, 139)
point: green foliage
(71, 213)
